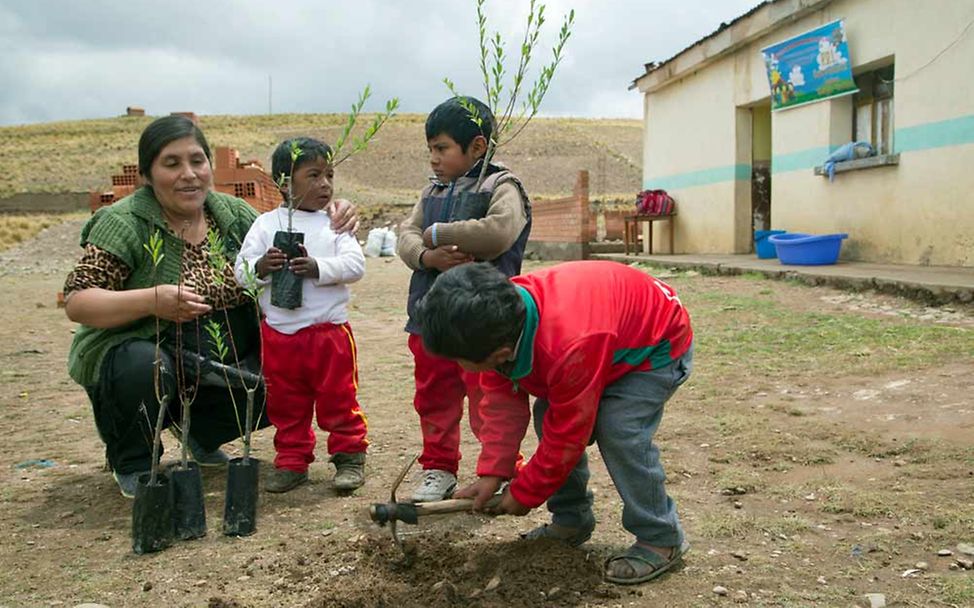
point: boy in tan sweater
(459, 218)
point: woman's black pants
(126, 408)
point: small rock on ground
(876, 600)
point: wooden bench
(630, 233)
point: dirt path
(809, 478)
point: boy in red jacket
(603, 347)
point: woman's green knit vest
(123, 229)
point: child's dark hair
(451, 118)
(470, 312)
(311, 149)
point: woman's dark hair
(451, 118)
(470, 312)
(163, 131)
(311, 150)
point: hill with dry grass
(81, 155)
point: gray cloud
(62, 60)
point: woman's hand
(173, 303)
(343, 216)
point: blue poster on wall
(810, 67)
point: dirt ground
(806, 475)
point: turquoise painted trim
(953, 132)
(803, 159)
(703, 177)
(943, 134)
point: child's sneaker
(437, 485)
(284, 480)
(349, 471)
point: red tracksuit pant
(312, 373)
(441, 385)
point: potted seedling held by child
(286, 286)
(152, 518)
(510, 120)
(240, 506)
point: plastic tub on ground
(808, 249)
(764, 247)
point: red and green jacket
(587, 325)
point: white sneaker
(437, 485)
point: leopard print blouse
(99, 268)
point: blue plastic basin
(808, 249)
(762, 246)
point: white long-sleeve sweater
(340, 261)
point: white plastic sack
(373, 245)
(389, 243)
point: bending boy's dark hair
(470, 312)
(311, 149)
(451, 118)
(163, 131)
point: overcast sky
(64, 59)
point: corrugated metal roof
(652, 66)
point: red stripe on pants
(441, 385)
(312, 372)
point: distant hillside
(81, 155)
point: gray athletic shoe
(202, 456)
(128, 482)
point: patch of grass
(786, 525)
(754, 276)
(724, 525)
(731, 425)
(956, 590)
(914, 451)
(736, 479)
(857, 502)
(952, 520)
(741, 525)
(771, 338)
(783, 409)
(17, 228)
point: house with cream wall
(734, 165)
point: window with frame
(872, 118)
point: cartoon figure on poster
(809, 67)
(781, 90)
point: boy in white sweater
(309, 353)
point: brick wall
(244, 180)
(560, 227)
(614, 224)
(562, 220)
